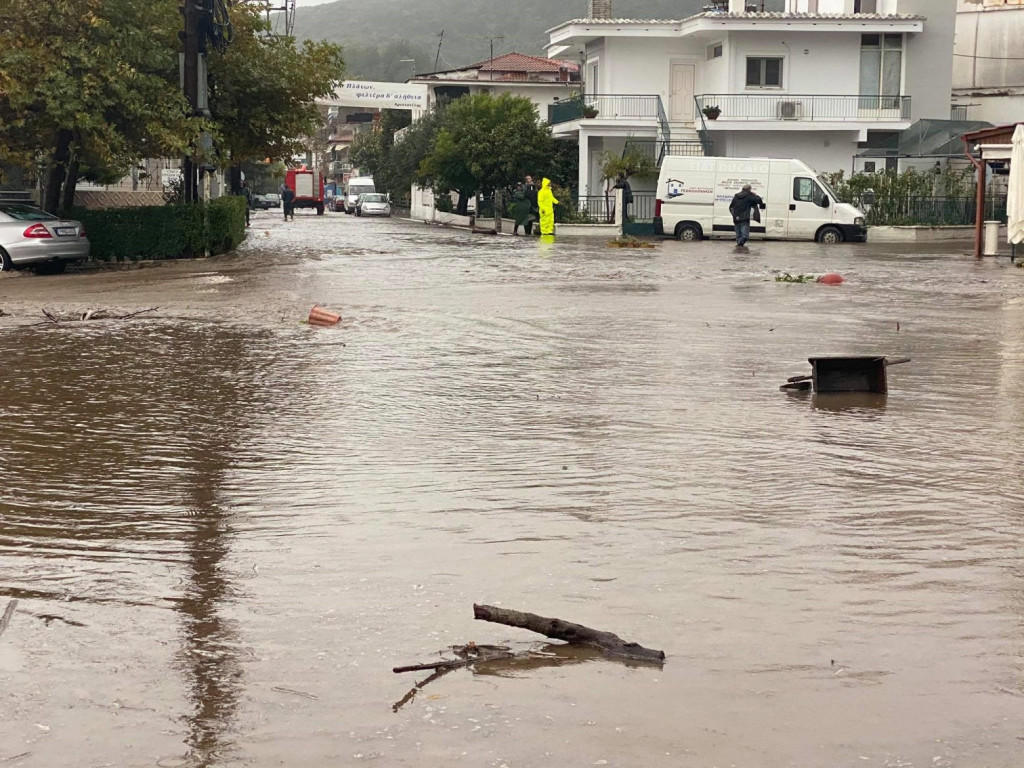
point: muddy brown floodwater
(224, 528)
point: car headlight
(859, 221)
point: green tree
(89, 85)
(376, 153)
(485, 143)
(263, 89)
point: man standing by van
(744, 205)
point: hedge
(164, 231)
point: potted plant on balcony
(587, 110)
(712, 112)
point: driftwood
(572, 633)
(93, 314)
(8, 612)
(468, 654)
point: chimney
(600, 9)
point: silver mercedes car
(30, 237)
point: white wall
(928, 72)
(814, 63)
(824, 151)
(642, 65)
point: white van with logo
(694, 194)
(356, 186)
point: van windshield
(828, 188)
(359, 190)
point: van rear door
(805, 212)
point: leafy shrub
(164, 231)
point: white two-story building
(814, 79)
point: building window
(715, 51)
(865, 6)
(869, 166)
(764, 72)
(881, 71)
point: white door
(806, 213)
(680, 102)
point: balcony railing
(787, 107)
(608, 107)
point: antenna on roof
(492, 38)
(440, 39)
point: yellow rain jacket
(546, 204)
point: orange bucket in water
(323, 318)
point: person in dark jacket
(288, 201)
(627, 195)
(745, 205)
(530, 190)
(519, 209)
(247, 193)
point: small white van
(356, 186)
(694, 195)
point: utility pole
(198, 18)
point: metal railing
(642, 207)
(657, 150)
(608, 107)
(795, 107)
(934, 211)
(702, 131)
(958, 112)
(586, 209)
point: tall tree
(263, 89)
(486, 143)
(91, 80)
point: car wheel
(688, 233)
(830, 235)
(6, 265)
(51, 267)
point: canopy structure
(926, 138)
(983, 147)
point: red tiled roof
(520, 62)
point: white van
(694, 195)
(356, 186)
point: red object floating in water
(832, 278)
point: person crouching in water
(744, 206)
(546, 202)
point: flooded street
(225, 527)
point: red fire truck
(308, 186)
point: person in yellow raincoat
(546, 204)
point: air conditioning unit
(790, 110)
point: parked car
(267, 201)
(373, 204)
(356, 186)
(30, 237)
(338, 204)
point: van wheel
(688, 233)
(830, 235)
(6, 265)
